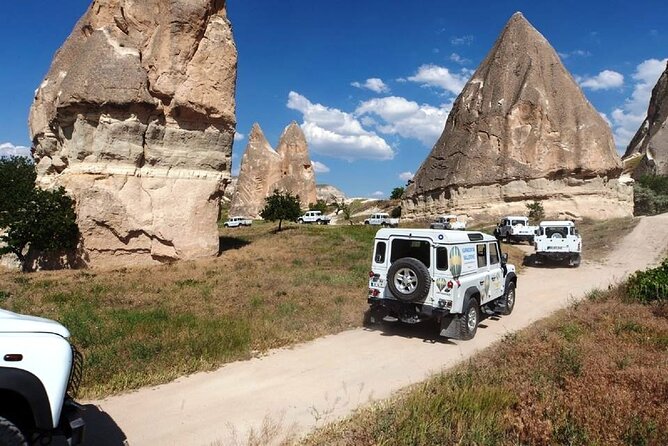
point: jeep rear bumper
(405, 310)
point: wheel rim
(472, 319)
(510, 300)
(405, 280)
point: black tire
(508, 300)
(467, 325)
(409, 280)
(575, 261)
(366, 222)
(10, 435)
(300, 221)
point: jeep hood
(18, 323)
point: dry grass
(600, 237)
(140, 326)
(592, 374)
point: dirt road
(323, 380)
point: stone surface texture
(647, 152)
(521, 130)
(136, 119)
(329, 193)
(263, 170)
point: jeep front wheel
(10, 435)
(468, 320)
(409, 279)
(508, 300)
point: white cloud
(575, 53)
(319, 167)
(605, 80)
(440, 77)
(406, 176)
(338, 134)
(374, 84)
(406, 118)
(239, 136)
(462, 40)
(459, 59)
(8, 149)
(378, 194)
(628, 117)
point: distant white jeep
(316, 217)
(515, 229)
(449, 276)
(448, 222)
(382, 219)
(558, 241)
(235, 222)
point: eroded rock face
(521, 118)
(136, 119)
(262, 170)
(648, 151)
(329, 193)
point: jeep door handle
(482, 282)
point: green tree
(281, 206)
(397, 193)
(320, 205)
(536, 211)
(34, 220)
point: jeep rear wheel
(468, 320)
(409, 279)
(10, 435)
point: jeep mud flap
(449, 326)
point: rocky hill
(521, 130)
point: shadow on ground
(230, 243)
(101, 429)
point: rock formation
(263, 170)
(136, 119)
(648, 151)
(521, 130)
(329, 193)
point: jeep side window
(418, 249)
(441, 258)
(380, 252)
(482, 255)
(493, 254)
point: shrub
(649, 199)
(320, 205)
(649, 285)
(397, 193)
(396, 212)
(536, 211)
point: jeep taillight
(371, 274)
(373, 292)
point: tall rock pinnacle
(521, 129)
(136, 118)
(649, 146)
(288, 169)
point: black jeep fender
(510, 278)
(27, 386)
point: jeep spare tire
(409, 279)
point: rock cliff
(521, 130)
(648, 151)
(136, 119)
(288, 168)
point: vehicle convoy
(39, 376)
(382, 219)
(316, 217)
(449, 276)
(515, 229)
(448, 222)
(235, 222)
(558, 241)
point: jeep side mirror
(504, 257)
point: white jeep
(448, 222)
(316, 217)
(382, 219)
(40, 372)
(515, 229)
(235, 222)
(558, 241)
(449, 276)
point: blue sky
(371, 82)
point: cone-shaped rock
(258, 174)
(648, 151)
(135, 118)
(297, 174)
(520, 130)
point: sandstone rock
(648, 151)
(136, 118)
(329, 193)
(520, 130)
(263, 170)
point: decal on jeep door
(441, 283)
(455, 261)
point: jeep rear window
(550, 231)
(380, 252)
(417, 249)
